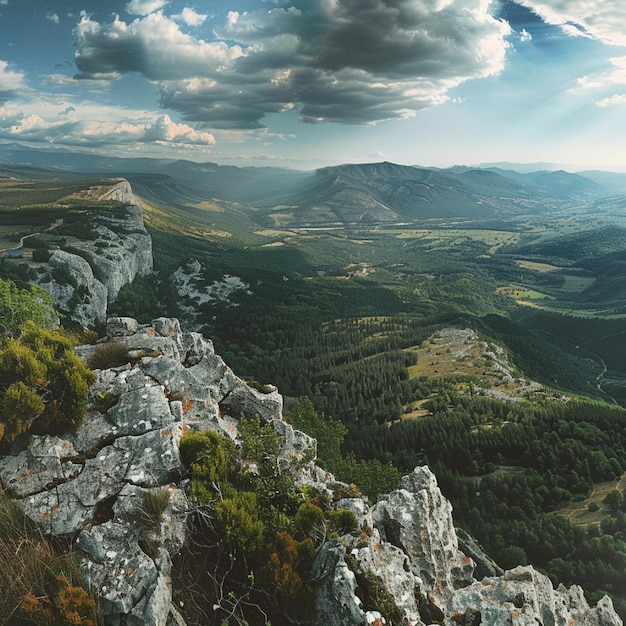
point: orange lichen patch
(47, 514)
(376, 547)
(187, 406)
(129, 571)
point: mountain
(344, 194)
(385, 192)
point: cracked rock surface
(90, 485)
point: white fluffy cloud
(349, 61)
(71, 128)
(601, 19)
(190, 17)
(614, 100)
(11, 81)
(53, 17)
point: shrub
(342, 521)
(43, 384)
(41, 255)
(18, 305)
(238, 522)
(106, 355)
(309, 518)
(209, 455)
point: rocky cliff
(88, 275)
(402, 565)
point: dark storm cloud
(349, 61)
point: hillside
(356, 318)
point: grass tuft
(108, 355)
(153, 505)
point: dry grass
(31, 567)
(112, 354)
(153, 505)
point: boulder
(417, 519)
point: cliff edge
(87, 273)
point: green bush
(21, 304)
(41, 255)
(209, 456)
(238, 522)
(43, 386)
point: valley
(469, 319)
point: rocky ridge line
(89, 487)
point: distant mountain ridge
(349, 194)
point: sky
(309, 83)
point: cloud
(11, 82)
(77, 130)
(145, 7)
(614, 100)
(525, 36)
(190, 17)
(53, 17)
(164, 129)
(604, 20)
(608, 79)
(348, 61)
(153, 46)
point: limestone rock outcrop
(406, 567)
(93, 486)
(71, 283)
(86, 277)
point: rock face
(96, 485)
(114, 488)
(83, 282)
(408, 552)
(74, 288)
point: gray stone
(337, 603)
(418, 519)
(92, 304)
(525, 597)
(246, 401)
(43, 463)
(121, 326)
